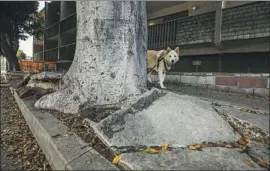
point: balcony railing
(51, 54)
(38, 56)
(67, 52)
(52, 30)
(162, 35)
(68, 23)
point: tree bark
(109, 65)
(9, 50)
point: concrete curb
(63, 150)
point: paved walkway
(177, 119)
(233, 103)
(260, 103)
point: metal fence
(162, 35)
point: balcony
(52, 30)
(68, 23)
(38, 56)
(162, 35)
(51, 54)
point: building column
(218, 23)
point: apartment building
(59, 37)
(224, 36)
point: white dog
(161, 61)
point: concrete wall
(230, 4)
(247, 21)
(168, 11)
(202, 7)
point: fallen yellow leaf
(243, 110)
(249, 163)
(194, 147)
(246, 139)
(151, 150)
(165, 147)
(260, 161)
(116, 160)
(263, 163)
(198, 146)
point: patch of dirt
(19, 149)
(80, 127)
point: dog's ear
(168, 49)
(177, 50)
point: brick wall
(247, 21)
(196, 29)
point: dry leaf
(246, 139)
(194, 147)
(211, 144)
(249, 163)
(244, 110)
(116, 160)
(228, 146)
(191, 147)
(198, 146)
(151, 150)
(261, 161)
(165, 146)
(228, 166)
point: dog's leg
(160, 76)
(163, 78)
(149, 76)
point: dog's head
(172, 56)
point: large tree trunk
(110, 59)
(9, 49)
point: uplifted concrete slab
(182, 159)
(179, 120)
(259, 120)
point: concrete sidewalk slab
(179, 120)
(252, 126)
(63, 150)
(259, 120)
(182, 159)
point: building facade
(226, 36)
